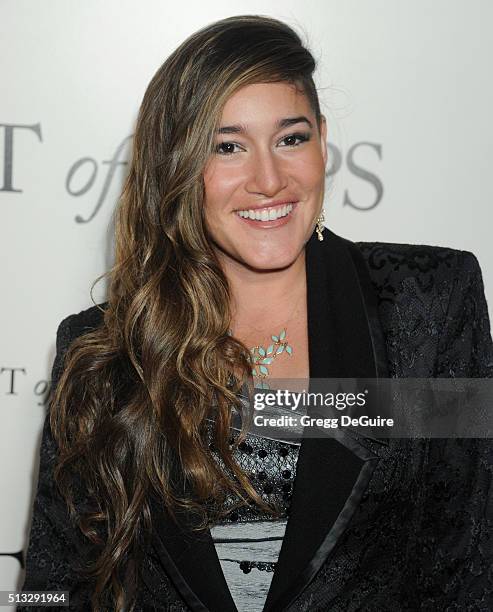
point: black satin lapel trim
(302, 580)
(325, 478)
(370, 302)
(322, 336)
(191, 562)
(332, 472)
(348, 309)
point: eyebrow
(282, 123)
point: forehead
(265, 102)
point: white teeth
(266, 214)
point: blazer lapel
(191, 562)
(345, 341)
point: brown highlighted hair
(136, 394)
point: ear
(323, 137)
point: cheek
(317, 167)
(311, 174)
(219, 188)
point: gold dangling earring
(320, 225)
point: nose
(266, 176)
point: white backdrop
(404, 87)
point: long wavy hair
(138, 394)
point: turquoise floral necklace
(261, 357)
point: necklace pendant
(263, 357)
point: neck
(261, 298)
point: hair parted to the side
(136, 394)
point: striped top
(248, 540)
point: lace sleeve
(455, 547)
(55, 544)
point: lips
(268, 216)
(272, 204)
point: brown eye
(225, 148)
(290, 140)
(294, 140)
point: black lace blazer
(384, 526)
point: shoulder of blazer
(69, 329)
(82, 322)
(389, 264)
(434, 293)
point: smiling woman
(153, 494)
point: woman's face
(264, 184)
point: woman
(223, 270)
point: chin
(275, 262)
